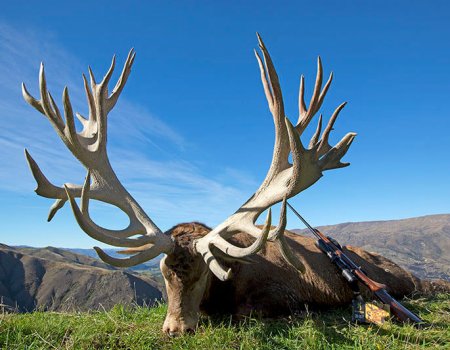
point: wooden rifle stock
(330, 247)
(401, 312)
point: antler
(89, 147)
(284, 180)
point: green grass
(140, 328)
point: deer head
(191, 256)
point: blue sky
(191, 136)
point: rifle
(353, 273)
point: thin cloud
(177, 190)
(131, 121)
(22, 126)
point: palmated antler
(284, 180)
(89, 147)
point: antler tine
(216, 268)
(266, 86)
(306, 114)
(109, 73)
(204, 245)
(90, 100)
(46, 189)
(316, 135)
(92, 77)
(31, 100)
(89, 147)
(283, 246)
(324, 146)
(324, 92)
(271, 74)
(122, 79)
(149, 254)
(332, 159)
(45, 101)
(46, 104)
(317, 87)
(274, 97)
(301, 99)
(112, 237)
(104, 102)
(55, 109)
(70, 130)
(238, 252)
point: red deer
(274, 272)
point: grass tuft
(140, 328)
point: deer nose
(172, 331)
(173, 334)
(175, 331)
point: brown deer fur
(269, 286)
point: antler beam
(283, 180)
(89, 147)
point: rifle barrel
(303, 220)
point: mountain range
(75, 279)
(420, 245)
(59, 280)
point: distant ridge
(62, 279)
(420, 244)
(65, 255)
(152, 265)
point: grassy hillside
(58, 280)
(140, 328)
